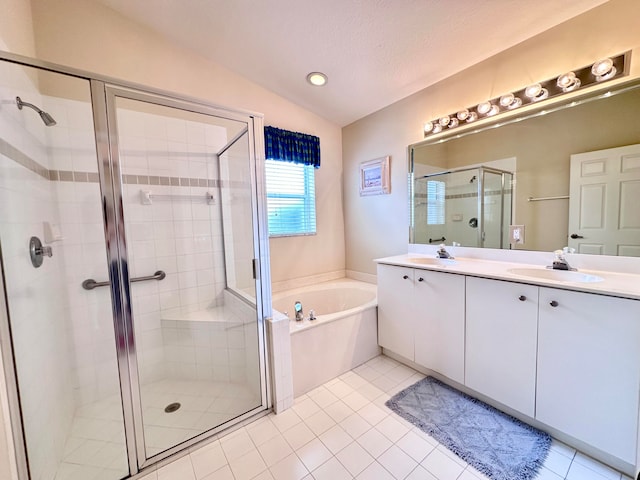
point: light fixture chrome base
(599, 72)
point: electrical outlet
(516, 234)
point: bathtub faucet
(299, 313)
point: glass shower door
(189, 221)
(61, 335)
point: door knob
(554, 303)
(406, 277)
(575, 235)
(522, 298)
(421, 279)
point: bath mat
(496, 444)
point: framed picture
(374, 177)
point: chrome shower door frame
(116, 241)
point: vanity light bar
(601, 71)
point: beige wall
(378, 226)
(94, 38)
(16, 28)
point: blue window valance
(291, 146)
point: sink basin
(557, 275)
(432, 261)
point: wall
(91, 37)
(378, 226)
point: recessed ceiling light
(317, 78)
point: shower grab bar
(90, 283)
(541, 199)
(146, 197)
(432, 240)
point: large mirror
(567, 176)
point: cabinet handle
(522, 298)
(554, 303)
(421, 279)
(406, 277)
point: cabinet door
(439, 330)
(589, 368)
(501, 341)
(395, 312)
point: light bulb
(568, 82)
(507, 99)
(428, 127)
(535, 92)
(493, 110)
(510, 101)
(484, 107)
(517, 102)
(603, 67)
(473, 116)
(454, 123)
(444, 121)
(437, 128)
(317, 79)
(463, 114)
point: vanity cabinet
(396, 319)
(589, 368)
(421, 317)
(501, 341)
(439, 322)
(570, 360)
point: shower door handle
(90, 283)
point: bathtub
(343, 335)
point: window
(435, 202)
(291, 198)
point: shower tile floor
(95, 447)
(342, 430)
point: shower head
(46, 118)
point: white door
(604, 190)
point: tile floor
(95, 447)
(342, 430)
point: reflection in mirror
(470, 206)
(573, 185)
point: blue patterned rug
(498, 445)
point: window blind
(435, 202)
(291, 206)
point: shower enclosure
(471, 207)
(133, 249)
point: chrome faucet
(442, 252)
(299, 314)
(560, 262)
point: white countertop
(626, 285)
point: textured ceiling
(374, 52)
